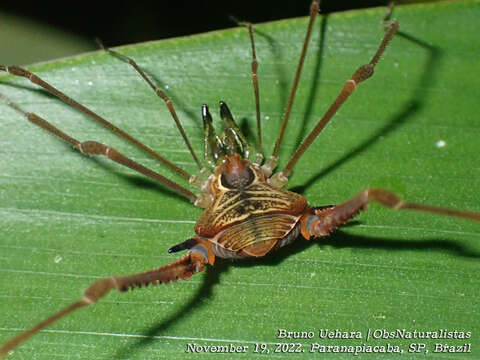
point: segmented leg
(163, 96)
(273, 160)
(256, 92)
(184, 268)
(361, 74)
(18, 71)
(96, 148)
(322, 221)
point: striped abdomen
(255, 236)
(247, 216)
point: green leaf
(68, 220)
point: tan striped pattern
(247, 207)
(255, 230)
(236, 206)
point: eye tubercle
(236, 172)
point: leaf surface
(68, 220)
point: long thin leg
(18, 71)
(327, 219)
(184, 268)
(256, 92)
(362, 74)
(163, 96)
(96, 148)
(272, 161)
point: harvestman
(247, 211)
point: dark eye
(237, 179)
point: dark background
(123, 22)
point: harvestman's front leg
(21, 72)
(363, 73)
(321, 221)
(190, 264)
(95, 148)
(256, 91)
(169, 105)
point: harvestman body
(247, 211)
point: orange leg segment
(321, 221)
(190, 264)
